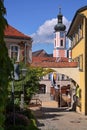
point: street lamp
(23, 71)
(16, 77)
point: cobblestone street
(50, 117)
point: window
(14, 52)
(61, 34)
(61, 42)
(81, 62)
(73, 40)
(63, 76)
(76, 37)
(79, 31)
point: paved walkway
(50, 117)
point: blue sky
(37, 18)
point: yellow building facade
(77, 33)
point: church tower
(60, 38)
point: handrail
(37, 101)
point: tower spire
(59, 26)
(59, 10)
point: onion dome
(59, 26)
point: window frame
(14, 51)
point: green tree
(31, 83)
(5, 65)
(32, 80)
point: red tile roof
(39, 59)
(50, 62)
(12, 32)
(49, 59)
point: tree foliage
(32, 80)
(5, 65)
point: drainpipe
(25, 52)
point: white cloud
(66, 22)
(45, 33)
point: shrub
(16, 127)
(28, 113)
(10, 105)
(30, 127)
(20, 119)
(17, 101)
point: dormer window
(14, 52)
